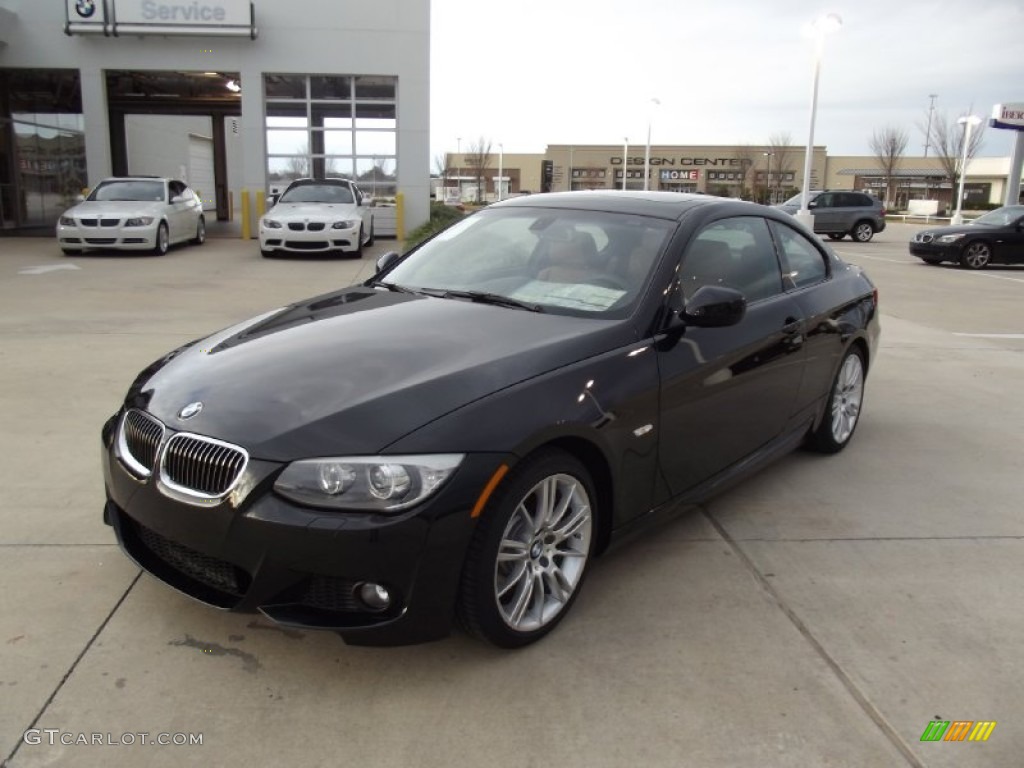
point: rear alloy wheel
(200, 237)
(842, 412)
(369, 240)
(530, 551)
(836, 235)
(976, 255)
(163, 241)
(863, 231)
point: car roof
(664, 205)
(137, 178)
(310, 180)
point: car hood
(966, 229)
(353, 371)
(114, 208)
(290, 211)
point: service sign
(161, 17)
(1008, 116)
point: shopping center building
(228, 95)
(762, 173)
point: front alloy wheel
(163, 240)
(976, 255)
(863, 231)
(200, 237)
(844, 404)
(529, 555)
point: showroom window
(332, 125)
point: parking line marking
(992, 335)
(847, 255)
(44, 268)
(997, 277)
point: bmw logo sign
(85, 8)
(190, 410)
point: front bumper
(935, 250)
(302, 566)
(122, 238)
(324, 240)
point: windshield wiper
(393, 287)
(497, 299)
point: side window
(735, 253)
(825, 200)
(176, 188)
(804, 263)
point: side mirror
(177, 199)
(367, 201)
(271, 201)
(386, 261)
(812, 204)
(714, 306)
(79, 198)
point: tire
(71, 251)
(862, 231)
(836, 235)
(842, 411)
(933, 262)
(162, 240)
(523, 570)
(369, 240)
(200, 237)
(358, 252)
(268, 254)
(976, 255)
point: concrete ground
(821, 614)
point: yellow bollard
(261, 205)
(400, 217)
(246, 218)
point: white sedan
(318, 216)
(135, 214)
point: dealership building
(231, 96)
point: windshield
(129, 191)
(568, 261)
(1000, 217)
(317, 193)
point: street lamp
(625, 160)
(501, 160)
(647, 153)
(768, 178)
(819, 28)
(969, 122)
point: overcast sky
(530, 73)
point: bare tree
(947, 139)
(783, 154)
(889, 144)
(478, 159)
(443, 168)
(748, 156)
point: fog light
(374, 596)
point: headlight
(366, 483)
(67, 221)
(950, 238)
(343, 225)
(140, 221)
(271, 224)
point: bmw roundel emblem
(85, 8)
(190, 410)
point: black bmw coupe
(458, 438)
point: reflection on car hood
(353, 371)
(116, 208)
(289, 211)
(961, 229)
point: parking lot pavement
(822, 613)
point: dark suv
(838, 214)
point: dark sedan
(460, 436)
(995, 238)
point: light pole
(928, 136)
(768, 178)
(968, 121)
(819, 28)
(625, 160)
(501, 160)
(647, 152)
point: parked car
(318, 216)
(994, 238)
(133, 213)
(838, 214)
(462, 434)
